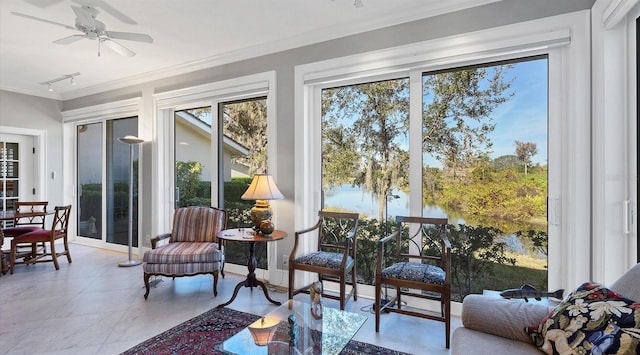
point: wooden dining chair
(30, 216)
(415, 260)
(333, 259)
(58, 230)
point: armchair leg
(215, 284)
(146, 284)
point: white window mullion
(415, 143)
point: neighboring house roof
(229, 145)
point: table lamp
(262, 189)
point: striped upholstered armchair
(192, 249)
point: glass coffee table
(271, 334)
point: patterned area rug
(201, 335)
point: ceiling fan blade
(117, 47)
(130, 36)
(70, 39)
(44, 20)
(42, 3)
(85, 15)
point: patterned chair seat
(415, 272)
(184, 252)
(324, 259)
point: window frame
(564, 39)
(212, 94)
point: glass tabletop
(272, 333)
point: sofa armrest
(502, 317)
(628, 285)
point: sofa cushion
(628, 284)
(592, 319)
(465, 341)
(502, 317)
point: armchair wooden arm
(156, 239)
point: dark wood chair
(193, 246)
(415, 260)
(58, 230)
(334, 258)
(29, 217)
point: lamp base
(260, 212)
(128, 263)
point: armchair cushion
(415, 272)
(185, 252)
(324, 259)
(591, 319)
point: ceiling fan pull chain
(99, 41)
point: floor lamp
(130, 140)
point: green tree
(524, 151)
(474, 251)
(373, 118)
(505, 162)
(246, 123)
(187, 180)
(457, 119)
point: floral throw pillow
(590, 320)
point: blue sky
(524, 116)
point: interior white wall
(24, 114)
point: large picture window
(483, 151)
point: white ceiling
(188, 35)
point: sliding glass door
(103, 181)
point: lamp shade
(262, 187)
(262, 330)
(131, 140)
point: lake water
(355, 199)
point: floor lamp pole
(130, 140)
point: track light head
(50, 87)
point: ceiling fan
(93, 29)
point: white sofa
(496, 326)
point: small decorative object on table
(266, 227)
(293, 331)
(316, 299)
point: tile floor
(92, 306)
